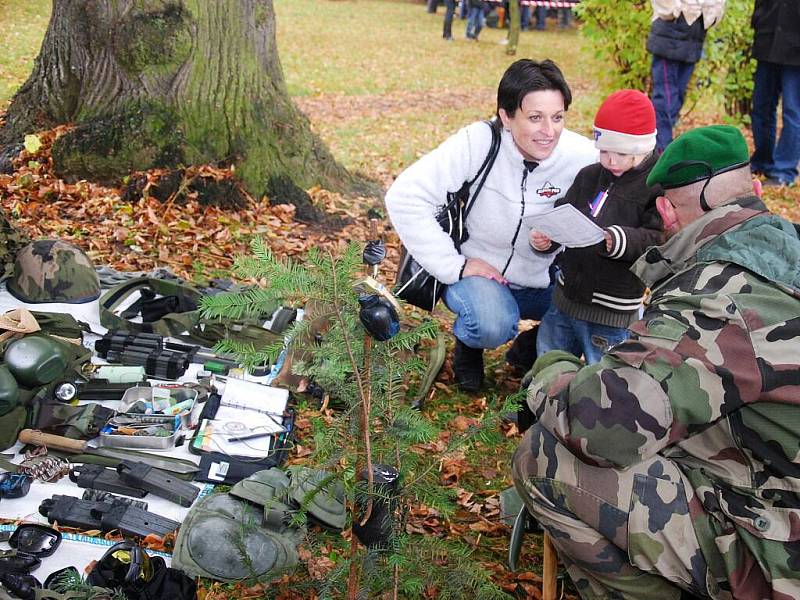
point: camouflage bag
(77, 422)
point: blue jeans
(524, 17)
(487, 312)
(670, 79)
(449, 10)
(558, 331)
(475, 22)
(772, 81)
(541, 18)
(463, 9)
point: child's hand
(539, 241)
(609, 240)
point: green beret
(698, 154)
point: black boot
(523, 351)
(468, 367)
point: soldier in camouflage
(671, 469)
(53, 271)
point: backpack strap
(172, 324)
(188, 325)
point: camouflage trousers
(621, 534)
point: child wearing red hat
(596, 297)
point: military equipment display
(105, 516)
(14, 485)
(43, 390)
(98, 477)
(158, 483)
(228, 539)
(35, 360)
(167, 463)
(35, 539)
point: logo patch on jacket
(548, 190)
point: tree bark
(513, 28)
(163, 83)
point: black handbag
(413, 283)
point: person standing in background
(475, 19)
(564, 17)
(541, 18)
(776, 46)
(524, 16)
(449, 11)
(676, 41)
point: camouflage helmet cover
(53, 271)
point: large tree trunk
(162, 83)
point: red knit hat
(626, 123)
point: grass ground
(381, 87)
(23, 25)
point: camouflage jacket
(710, 377)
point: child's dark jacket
(596, 285)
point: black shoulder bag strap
(487, 165)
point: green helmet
(53, 271)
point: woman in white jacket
(496, 279)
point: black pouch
(218, 467)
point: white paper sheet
(566, 225)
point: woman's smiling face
(536, 124)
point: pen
(252, 436)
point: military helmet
(53, 271)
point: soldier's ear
(667, 212)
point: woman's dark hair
(525, 76)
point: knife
(58, 442)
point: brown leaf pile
(187, 237)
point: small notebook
(246, 409)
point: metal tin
(148, 394)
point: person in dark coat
(776, 46)
(676, 43)
(449, 11)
